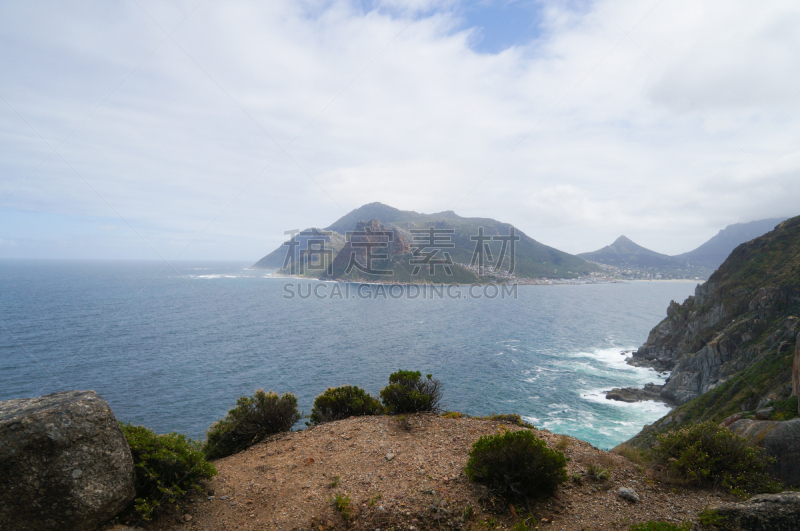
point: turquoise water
(172, 349)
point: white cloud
(666, 135)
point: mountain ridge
(699, 262)
(532, 259)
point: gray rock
(650, 391)
(765, 512)
(628, 494)
(64, 463)
(764, 414)
(779, 439)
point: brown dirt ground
(414, 480)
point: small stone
(628, 494)
(211, 498)
(187, 517)
(389, 457)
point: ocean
(173, 347)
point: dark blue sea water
(172, 349)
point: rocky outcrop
(731, 346)
(765, 512)
(780, 440)
(697, 373)
(650, 391)
(64, 463)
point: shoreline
(510, 282)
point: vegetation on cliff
(251, 421)
(516, 465)
(338, 403)
(168, 467)
(708, 455)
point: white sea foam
(613, 360)
(649, 407)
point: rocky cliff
(730, 347)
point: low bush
(338, 403)
(167, 467)
(516, 465)
(631, 453)
(343, 504)
(707, 454)
(710, 517)
(598, 473)
(253, 419)
(408, 392)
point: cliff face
(369, 238)
(730, 346)
(713, 334)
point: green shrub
(710, 517)
(254, 418)
(516, 465)
(342, 402)
(659, 526)
(408, 392)
(707, 454)
(167, 467)
(343, 504)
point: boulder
(779, 439)
(765, 512)
(64, 463)
(628, 494)
(650, 391)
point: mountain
(731, 346)
(699, 263)
(713, 252)
(456, 238)
(277, 258)
(624, 253)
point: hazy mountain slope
(625, 253)
(730, 346)
(277, 258)
(532, 259)
(713, 252)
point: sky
(202, 129)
